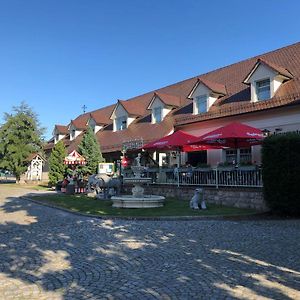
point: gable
(261, 72)
(156, 103)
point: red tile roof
(213, 86)
(236, 100)
(80, 123)
(238, 95)
(101, 116)
(112, 141)
(278, 69)
(167, 99)
(62, 129)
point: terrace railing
(217, 177)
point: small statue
(194, 203)
(198, 196)
(138, 160)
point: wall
(121, 112)
(203, 90)
(262, 72)
(77, 132)
(285, 118)
(237, 197)
(158, 103)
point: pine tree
(89, 148)
(20, 136)
(56, 163)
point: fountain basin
(145, 201)
(133, 180)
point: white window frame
(237, 156)
(157, 114)
(263, 89)
(73, 134)
(201, 99)
(121, 123)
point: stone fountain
(137, 199)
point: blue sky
(58, 55)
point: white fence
(239, 177)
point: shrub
(281, 173)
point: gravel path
(51, 254)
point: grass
(172, 207)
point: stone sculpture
(103, 182)
(198, 198)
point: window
(234, 156)
(231, 156)
(121, 123)
(245, 155)
(56, 138)
(201, 104)
(263, 89)
(73, 134)
(93, 126)
(157, 115)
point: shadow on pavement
(48, 253)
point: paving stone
(47, 253)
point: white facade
(35, 169)
(262, 72)
(92, 123)
(74, 132)
(157, 103)
(57, 136)
(278, 120)
(202, 90)
(119, 114)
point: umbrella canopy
(233, 135)
(74, 158)
(198, 147)
(174, 141)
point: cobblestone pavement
(50, 254)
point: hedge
(281, 173)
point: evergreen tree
(57, 168)
(20, 136)
(90, 149)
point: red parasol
(174, 141)
(195, 147)
(233, 135)
(74, 158)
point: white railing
(238, 177)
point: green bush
(281, 173)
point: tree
(57, 168)
(281, 169)
(20, 136)
(90, 149)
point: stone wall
(237, 197)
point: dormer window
(204, 94)
(263, 91)
(265, 78)
(201, 104)
(73, 132)
(123, 114)
(161, 104)
(92, 126)
(121, 123)
(157, 114)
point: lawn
(172, 207)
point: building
(262, 91)
(34, 172)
